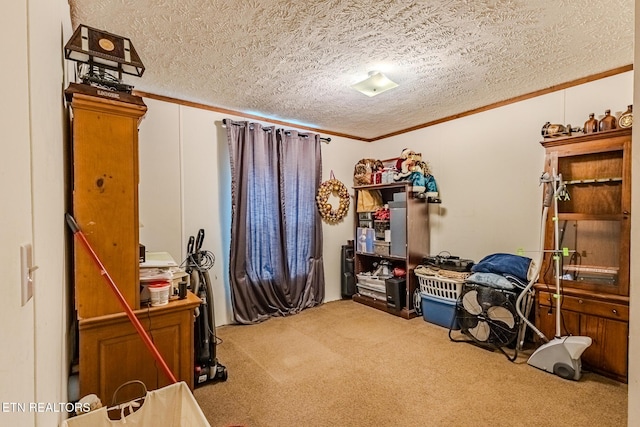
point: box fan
(488, 316)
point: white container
(440, 287)
(159, 294)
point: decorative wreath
(326, 189)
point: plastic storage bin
(372, 287)
(441, 287)
(439, 311)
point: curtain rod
(327, 139)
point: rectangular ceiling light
(375, 84)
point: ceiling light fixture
(375, 84)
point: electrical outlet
(26, 270)
(583, 254)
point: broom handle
(134, 320)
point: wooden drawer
(589, 306)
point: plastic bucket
(159, 293)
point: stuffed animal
(418, 178)
(410, 167)
(360, 175)
(363, 170)
(404, 165)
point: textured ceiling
(295, 61)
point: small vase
(626, 119)
(608, 122)
(591, 125)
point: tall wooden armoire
(105, 196)
(105, 206)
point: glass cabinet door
(593, 220)
(594, 252)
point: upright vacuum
(197, 265)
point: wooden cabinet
(112, 353)
(603, 318)
(105, 196)
(412, 233)
(594, 227)
(105, 206)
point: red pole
(134, 320)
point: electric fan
(488, 316)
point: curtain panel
(276, 265)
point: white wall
(16, 334)
(487, 167)
(49, 28)
(185, 185)
(339, 156)
(33, 363)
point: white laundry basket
(170, 406)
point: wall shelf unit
(409, 243)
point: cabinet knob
(580, 301)
(614, 311)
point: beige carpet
(345, 364)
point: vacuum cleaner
(561, 355)
(198, 264)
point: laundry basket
(170, 406)
(441, 287)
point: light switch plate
(26, 268)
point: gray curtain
(276, 266)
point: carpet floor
(346, 364)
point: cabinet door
(608, 352)
(593, 327)
(570, 322)
(105, 202)
(616, 344)
(112, 353)
(594, 216)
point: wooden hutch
(105, 206)
(594, 224)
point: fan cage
(500, 334)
